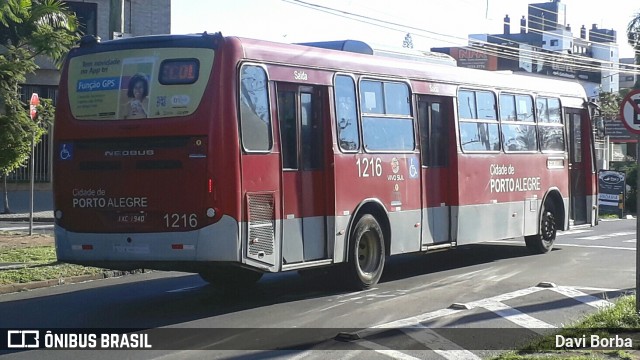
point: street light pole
(637, 229)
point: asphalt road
(495, 296)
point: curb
(19, 287)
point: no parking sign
(630, 111)
(35, 101)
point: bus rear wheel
(366, 253)
(542, 242)
(230, 277)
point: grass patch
(610, 216)
(30, 255)
(40, 263)
(620, 319)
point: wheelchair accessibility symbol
(413, 168)
(66, 151)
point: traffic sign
(630, 111)
(35, 101)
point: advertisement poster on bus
(611, 192)
(138, 84)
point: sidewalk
(19, 204)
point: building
(545, 45)
(107, 19)
(627, 79)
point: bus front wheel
(542, 242)
(366, 253)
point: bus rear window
(179, 71)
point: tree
(609, 103)
(408, 41)
(633, 37)
(28, 28)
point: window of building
(87, 14)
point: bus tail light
(210, 186)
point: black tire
(231, 277)
(542, 242)
(366, 253)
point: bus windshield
(138, 84)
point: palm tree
(43, 27)
(633, 37)
(28, 28)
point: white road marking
(512, 295)
(599, 247)
(571, 232)
(184, 289)
(582, 297)
(607, 236)
(413, 327)
(588, 288)
(457, 354)
(439, 344)
(515, 316)
(385, 351)
(563, 244)
(415, 320)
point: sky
(432, 23)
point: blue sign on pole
(611, 192)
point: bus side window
(255, 116)
(346, 115)
(288, 128)
(550, 126)
(387, 124)
(478, 121)
(434, 137)
(518, 126)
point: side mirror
(594, 109)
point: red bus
(233, 157)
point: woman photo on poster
(137, 93)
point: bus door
(434, 119)
(304, 195)
(577, 178)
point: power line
(531, 55)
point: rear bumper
(219, 242)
